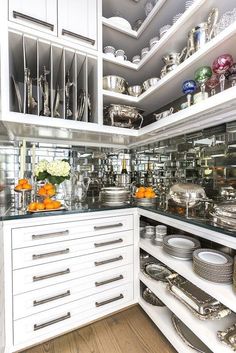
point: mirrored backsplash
(207, 157)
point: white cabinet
(77, 21)
(41, 15)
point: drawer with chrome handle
(41, 254)
(71, 315)
(65, 32)
(22, 16)
(39, 276)
(51, 233)
(33, 302)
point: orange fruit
(56, 204)
(23, 181)
(51, 192)
(32, 206)
(18, 187)
(40, 206)
(49, 206)
(27, 186)
(47, 200)
(41, 192)
(48, 186)
(141, 189)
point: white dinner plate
(213, 258)
(181, 243)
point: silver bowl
(150, 82)
(114, 83)
(187, 194)
(135, 91)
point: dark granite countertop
(13, 214)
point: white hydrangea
(41, 167)
(58, 168)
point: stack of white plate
(114, 196)
(213, 265)
(180, 246)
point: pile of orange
(23, 184)
(47, 190)
(143, 192)
(47, 204)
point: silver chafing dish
(123, 116)
(187, 194)
(224, 214)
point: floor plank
(130, 331)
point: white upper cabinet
(41, 15)
(77, 21)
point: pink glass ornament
(220, 66)
(212, 83)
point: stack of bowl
(114, 196)
(213, 265)
(180, 246)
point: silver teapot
(172, 60)
(202, 33)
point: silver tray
(188, 336)
(157, 271)
(200, 303)
(151, 298)
(228, 337)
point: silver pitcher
(172, 60)
(202, 33)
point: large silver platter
(188, 336)
(226, 209)
(157, 271)
(151, 298)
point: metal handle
(50, 275)
(76, 35)
(32, 19)
(50, 235)
(49, 254)
(109, 300)
(45, 324)
(97, 284)
(97, 245)
(104, 262)
(50, 299)
(108, 226)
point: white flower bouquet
(55, 172)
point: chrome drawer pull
(97, 245)
(117, 225)
(56, 297)
(76, 35)
(49, 254)
(109, 300)
(50, 275)
(39, 327)
(32, 19)
(50, 235)
(104, 262)
(97, 284)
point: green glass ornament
(201, 75)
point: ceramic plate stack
(180, 246)
(114, 196)
(213, 265)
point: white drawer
(33, 302)
(50, 233)
(40, 276)
(37, 255)
(71, 315)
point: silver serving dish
(200, 303)
(228, 337)
(157, 271)
(151, 298)
(188, 336)
(150, 82)
(115, 196)
(123, 116)
(145, 201)
(114, 84)
(186, 194)
(224, 214)
(135, 91)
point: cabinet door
(77, 21)
(40, 15)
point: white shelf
(169, 88)
(106, 22)
(113, 97)
(222, 292)
(124, 63)
(205, 330)
(161, 316)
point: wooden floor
(130, 331)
